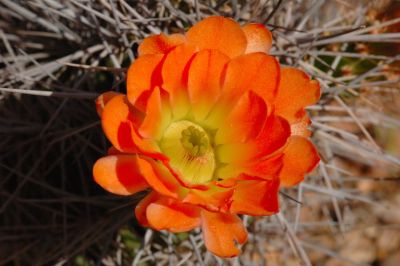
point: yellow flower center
(190, 151)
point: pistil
(194, 141)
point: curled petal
(141, 207)
(159, 177)
(218, 33)
(261, 168)
(157, 118)
(103, 99)
(300, 157)
(214, 199)
(265, 168)
(272, 136)
(119, 174)
(175, 75)
(295, 92)
(225, 183)
(222, 232)
(119, 120)
(172, 215)
(143, 75)
(259, 38)
(114, 151)
(160, 44)
(255, 197)
(204, 81)
(245, 120)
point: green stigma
(194, 141)
(189, 149)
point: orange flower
(212, 126)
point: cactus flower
(212, 126)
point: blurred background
(57, 56)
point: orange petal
(214, 199)
(300, 128)
(143, 75)
(172, 215)
(159, 177)
(119, 174)
(259, 38)
(272, 136)
(175, 74)
(300, 157)
(295, 92)
(245, 120)
(114, 151)
(225, 183)
(141, 207)
(157, 118)
(256, 197)
(218, 33)
(257, 72)
(265, 168)
(262, 168)
(204, 81)
(119, 121)
(118, 118)
(160, 44)
(103, 99)
(221, 233)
